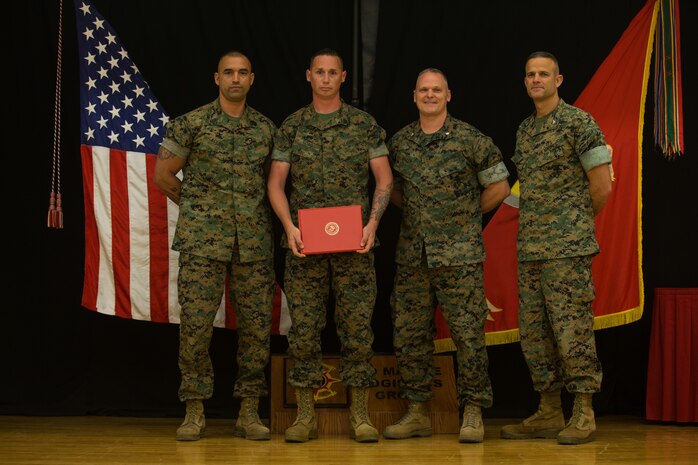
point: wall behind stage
(59, 358)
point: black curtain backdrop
(59, 358)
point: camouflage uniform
(555, 247)
(440, 253)
(329, 157)
(224, 225)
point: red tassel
(51, 210)
(55, 212)
(59, 212)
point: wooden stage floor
(124, 440)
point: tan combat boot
(193, 427)
(581, 427)
(414, 423)
(546, 423)
(472, 429)
(249, 426)
(305, 426)
(361, 428)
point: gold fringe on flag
(55, 208)
(668, 108)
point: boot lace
(193, 411)
(470, 417)
(361, 417)
(577, 414)
(412, 414)
(251, 414)
(194, 415)
(248, 414)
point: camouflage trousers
(556, 323)
(459, 292)
(307, 283)
(201, 283)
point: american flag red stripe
(91, 278)
(120, 236)
(159, 248)
(229, 311)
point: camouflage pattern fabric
(459, 291)
(556, 217)
(223, 195)
(329, 157)
(307, 285)
(224, 225)
(440, 253)
(556, 324)
(441, 176)
(201, 283)
(555, 247)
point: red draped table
(672, 371)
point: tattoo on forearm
(381, 198)
(164, 154)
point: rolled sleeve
(281, 155)
(380, 151)
(496, 173)
(594, 157)
(174, 147)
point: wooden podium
(384, 406)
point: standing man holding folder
(447, 174)
(331, 147)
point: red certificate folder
(330, 229)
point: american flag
(130, 270)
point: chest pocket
(408, 166)
(550, 159)
(456, 174)
(251, 152)
(547, 151)
(306, 159)
(349, 169)
(210, 164)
